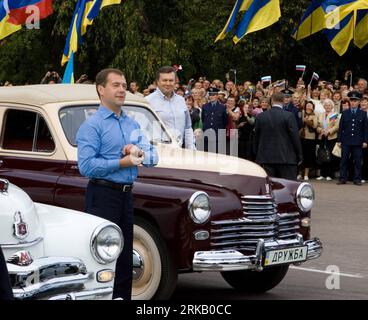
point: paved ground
(340, 220)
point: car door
(30, 155)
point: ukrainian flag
(6, 28)
(260, 14)
(69, 71)
(84, 13)
(313, 20)
(361, 29)
(231, 21)
(341, 36)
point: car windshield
(71, 119)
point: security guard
(353, 136)
(289, 106)
(5, 288)
(214, 119)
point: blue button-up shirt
(175, 115)
(100, 142)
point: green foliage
(139, 36)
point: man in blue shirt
(171, 108)
(110, 147)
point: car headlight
(106, 243)
(199, 207)
(305, 197)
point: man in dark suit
(214, 119)
(353, 136)
(6, 292)
(277, 143)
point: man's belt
(113, 185)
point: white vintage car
(55, 253)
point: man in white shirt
(171, 108)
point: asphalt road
(340, 220)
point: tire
(157, 277)
(255, 282)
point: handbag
(337, 151)
(323, 154)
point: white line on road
(358, 276)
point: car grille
(260, 220)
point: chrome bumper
(232, 260)
(85, 295)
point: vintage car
(55, 253)
(194, 212)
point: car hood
(172, 157)
(17, 210)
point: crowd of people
(317, 109)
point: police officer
(110, 146)
(353, 136)
(289, 106)
(5, 287)
(214, 119)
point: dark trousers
(6, 292)
(356, 154)
(117, 207)
(284, 171)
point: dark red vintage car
(194, 212)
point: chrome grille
(261, 220)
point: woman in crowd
(308, 139)
(256, 107)
(195, 114)
(245, 127)
(345, 105)
(327, 129)
(265, 103)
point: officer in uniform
(353, 136)
(214, 119)
(6, 292)
(289, 106)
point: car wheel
(154, 274)
(253, 281)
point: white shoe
(299, 177)
(328, 178)
(363, 181)
(319, 178)
(306, 178)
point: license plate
(285, 256)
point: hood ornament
(20, 258)
(20, 227)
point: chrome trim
(138, 265)
(84, 295)
(47, 274)
(232, 260)
(93, 242)
(6, 183)
(190, 207)
(22, 245)
(297, 196)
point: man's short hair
(165, 69)
(101, 78)
(277, 98)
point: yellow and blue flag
(260, 14)
(69, 70)
(341, 36)
(361, 29)
(6, 28)
(84, 14)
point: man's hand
(365, 145)
(133, 150)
